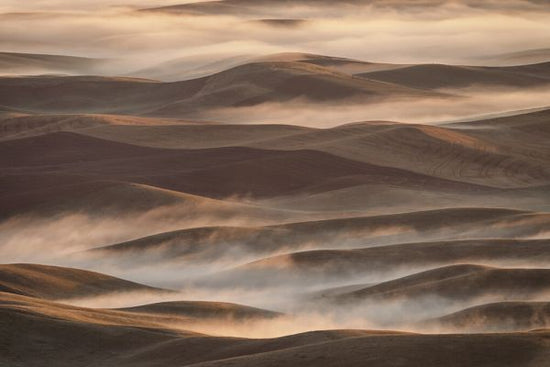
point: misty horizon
(274, 182)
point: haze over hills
(23, 63)
(310, 86)
(514, 315)
(316, 266)
(276, 79)
(338, 217)
(521, 57)
(155, 340)
(301, 183)
(244, 85)
(157, 346)
(350, 233)
(466, 282)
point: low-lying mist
(307, 302)
(420, 315)
(471, 103)
(373, 226)
(450, 32)
(34, 238)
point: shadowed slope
(498, 317)
(50, 194)
(388, 351)
(31, 125)
(86, 94)
(204, 310)
(434, 76)
(453, 154)
(244, 171)
(499, 156)
(531, 122)
(459, 282)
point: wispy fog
(469, 103)
(273, 251)
(450, 32)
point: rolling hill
(499, 317)
(52, 282)
(464, 283)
